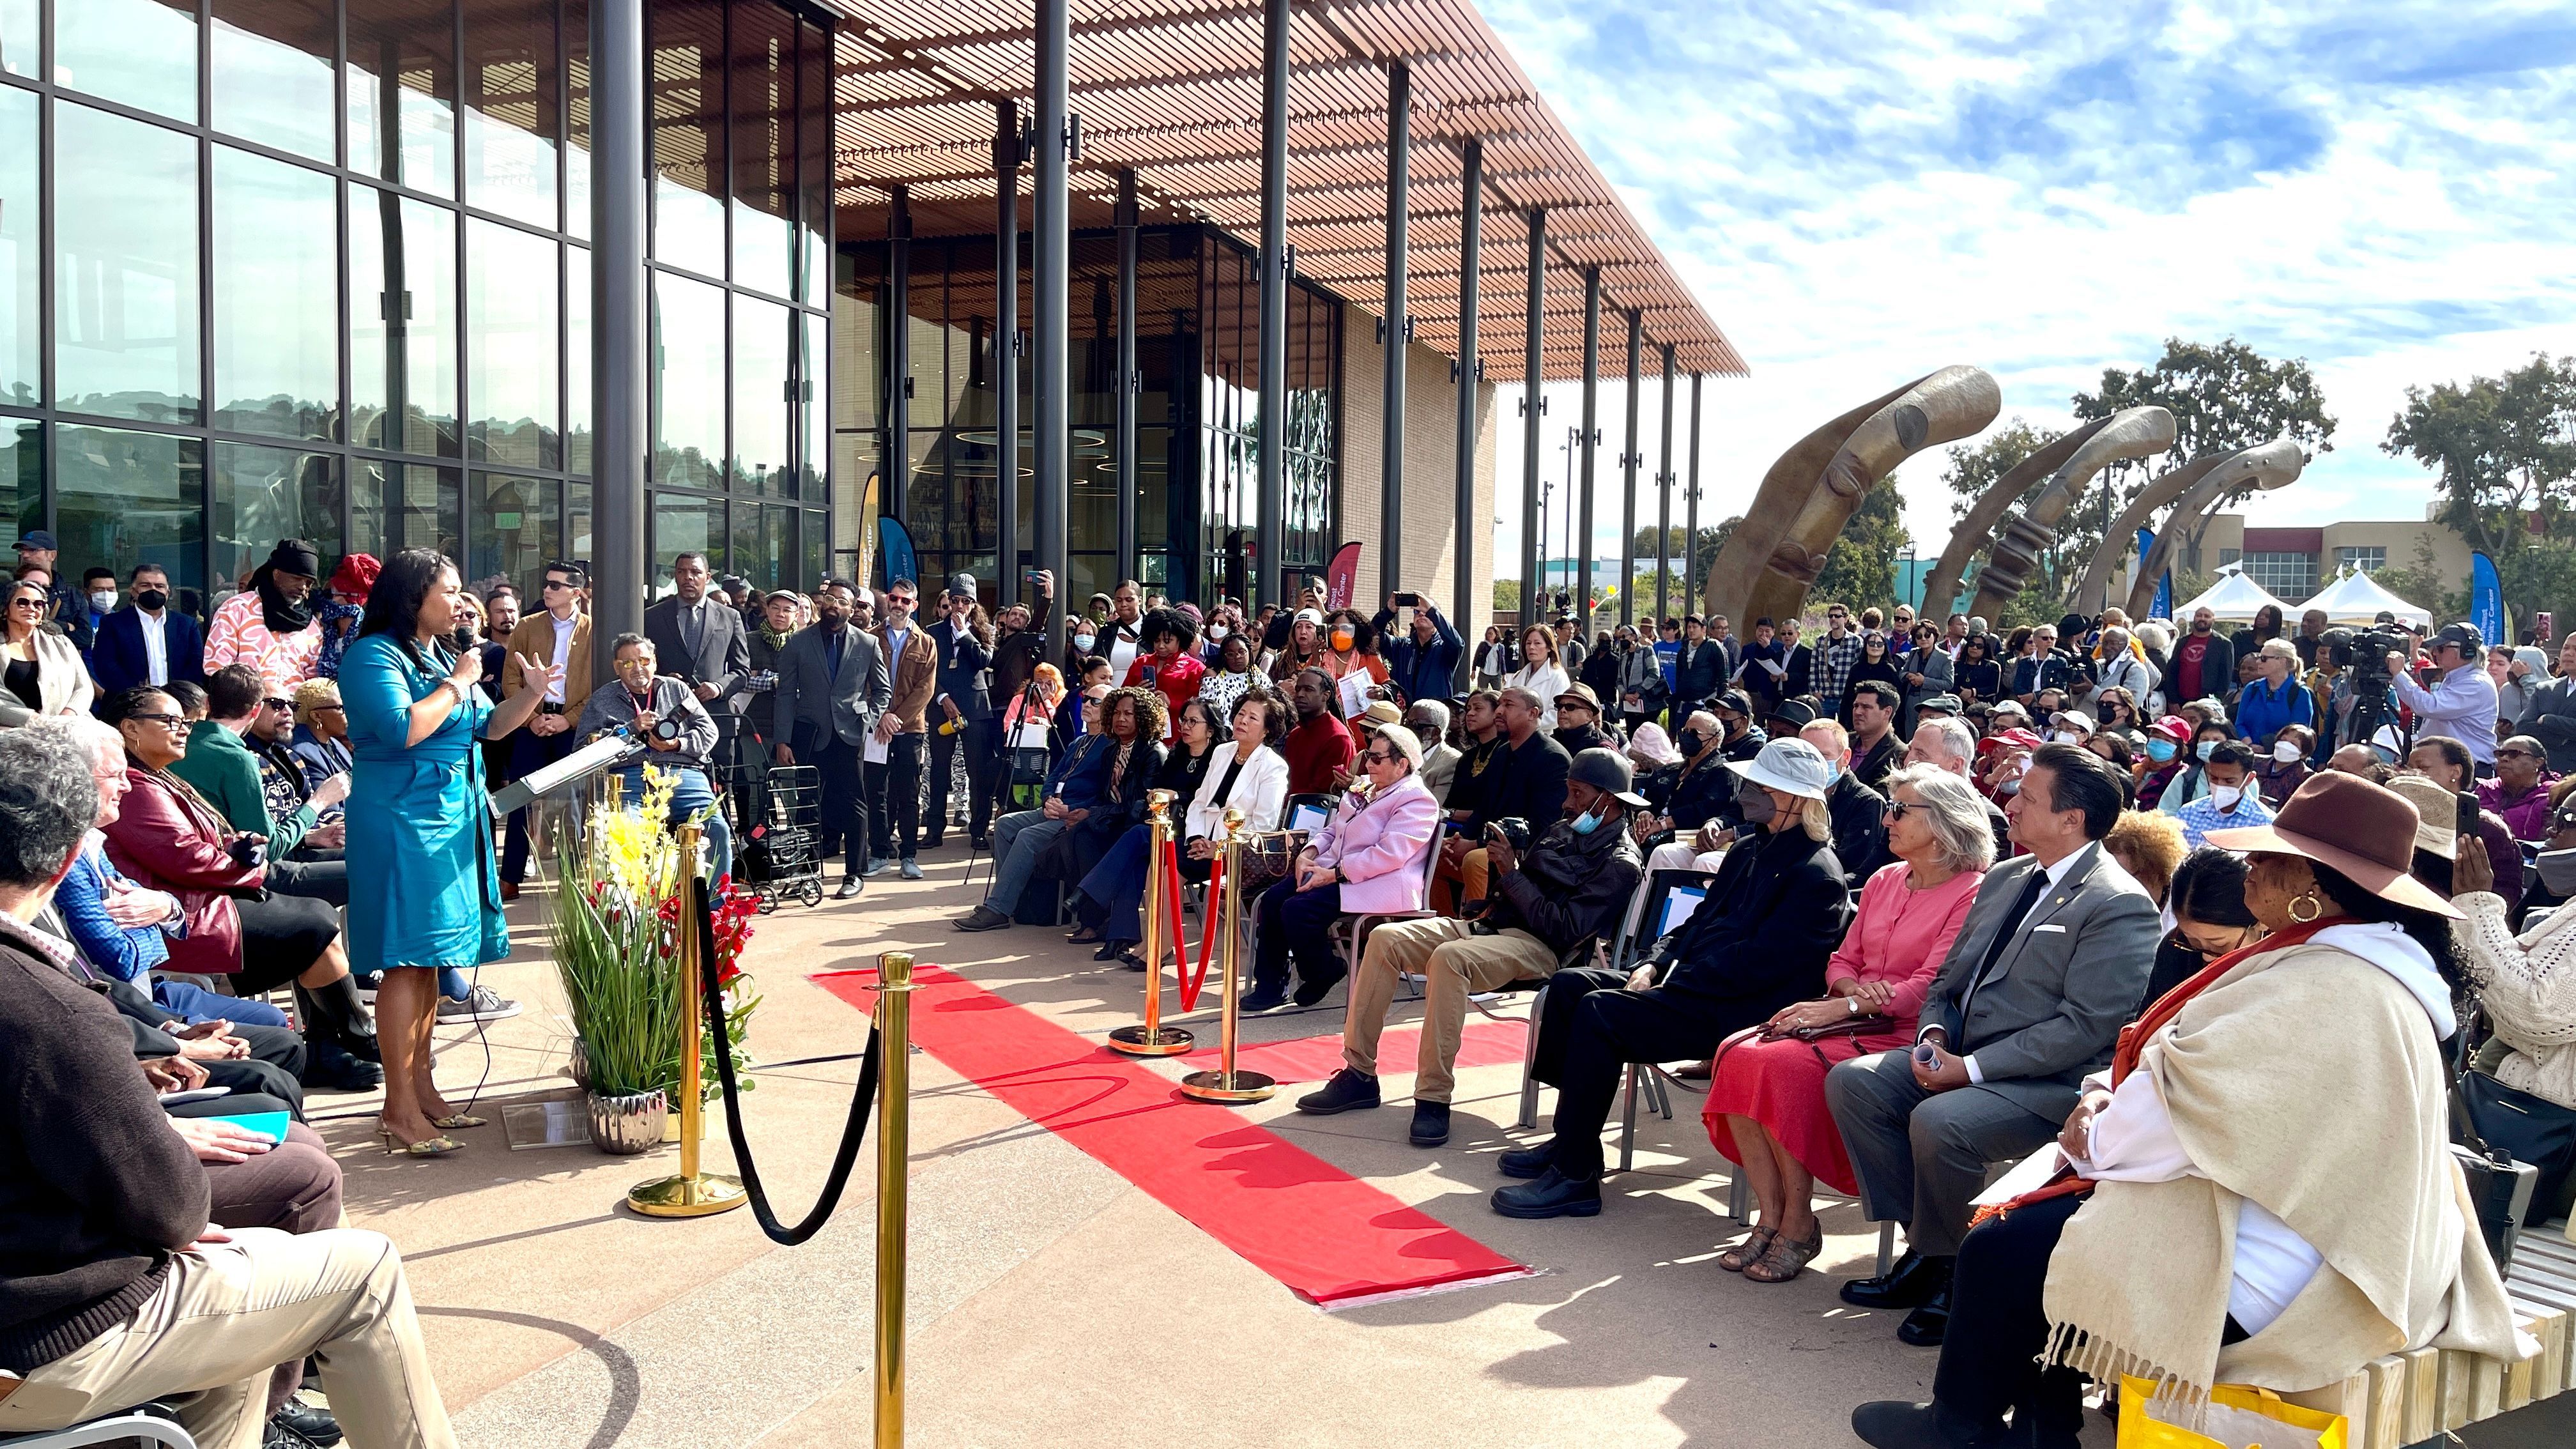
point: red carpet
(1314, 1058)
(1331, 1238)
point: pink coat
(1379, 844)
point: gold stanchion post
(894, 1163)
(1154, 1039)
(1226, 1084)
(691, 1194)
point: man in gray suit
(700, 640)
(2049, 966)
(832, 685)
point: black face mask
(1754, 803)
(152, 601)
(1690, 743)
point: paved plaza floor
(1052, 1302)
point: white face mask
(2069, 737)
(2226, 796)
(103, 600)
(2287, 752)
(1217, 633)
(1084, 642)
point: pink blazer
(1379, 845)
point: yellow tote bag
(2239, 1416)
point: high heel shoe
(434, 1147)
(455, 1120)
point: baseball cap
(1795, 714)
(1733, 701)
(2008, 739)
(1309, 616)
(2076, 720)
(2463, 634)
(1789, 764)
(38, 538)
(2173, 727)
(1606, 771)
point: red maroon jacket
(176, 844)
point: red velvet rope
(1191, 980)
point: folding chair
(1581, 953)
(1350, 932)
(118, 1429)
(1671, 896)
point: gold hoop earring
(2315, 907)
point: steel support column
(1126, 380)
(1271, 474)
(1533, 374)
(897, 470)
(1006, 353)
(1628, 461)
(620, 364)
(1589, 442)
(1052, 251)
(1463, 609)
(1664, 503)
(1690, 526)
(1399, 199)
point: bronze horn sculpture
(2092, 592)
(2266, 467)
(1978, 526)
(1773, 556)
(2140, 432)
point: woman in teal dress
(422, 891)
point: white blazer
(1544, 680)
(1260, 792)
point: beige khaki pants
(1456, 965)
(227, 1314)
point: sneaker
(480, 1004)
(848, 890)
(911, 868)
(1430, 1124)
(982, 918)
(877, 865)
(1350, 1088)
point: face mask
(2160, 751)
(1690, 743)
(103, 600)
(2067, 737)
(1217, 633)
(152, 600)
(1755, 804)
(2010, 787)
(2226, 796)
(1343, 639)
(2287, 752)
(2205, 748)
(1084, 642)
(1588, 821)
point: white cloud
(1859, 196)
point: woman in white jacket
(1541, 673)
(1246, 775)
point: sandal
(434, 1147)
(1750, 1251)
(457, 1120)
(1784, 1259)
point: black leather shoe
(982, 918)
(315, 1424)
(1310, 992)
(1430, 1124)
(1348, 1089)
(1895, 1424)
(1910, 1284)
(1526, 1162)
(1926, 1326)
(1553, 1195)
(1261, 1000)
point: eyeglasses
(165, 721)
(1897, 809)
(281, 705)
(1375, 757)
(552, 584)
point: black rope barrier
(854, 1133)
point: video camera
(2366, 651)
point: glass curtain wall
(319, 268)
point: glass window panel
(577, 523)
(405, 505)
(687, 65)
(510, 320)
(125, 271)
(688, 383)
(22, 203)
(854, 466)
(814, 163)
(21, 25)
(760, 411)
(859, 332)
(511, 532)
(22, 473)
(576, 42)
(126, 498)
(763, 105)
(277, 294)
(577, 359)
(513, 108)
(141, 53)
(272, 73)
(265, 494)
(402, 323)
(402, 92)
(814, 394)
(682, 524)
(764, 544)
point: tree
(1860, 569)
(2505, 448)
(1974, 467)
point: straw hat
(2379, 825)
(2437, 814)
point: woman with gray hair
(1766, 1103)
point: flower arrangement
(616, 929)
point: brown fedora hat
(2346, 823)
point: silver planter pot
(624, 1126)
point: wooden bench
(2412, 1397)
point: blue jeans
(198, 1004)
(1019, 839)
(689, 796)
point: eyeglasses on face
(281, 705)
(1898, 809)
(165, 721)
(1379, 757)
(2505, 754)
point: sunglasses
(560, 584)
(26, 603)
(1898, 809)
(903, 599)
(2516, 755)
(281, 705)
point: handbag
(2533, 1129)
(2500, 1188)
(1266, 857)
(1868, 1023)
(2238, 1416)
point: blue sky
(1860, 194)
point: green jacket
(224, 771)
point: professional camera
(2367, 651)
(1512, 830)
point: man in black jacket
(1758, 942)
(1022, 645)
(1699, 671)
(961, 711)
(2550, 717)
(1570, 888)
(116, 1290)
(1858, 813)
(1524, 780)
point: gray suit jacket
(815, 706)
(2052, 1007)
(723, 656)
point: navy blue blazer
(117, 662)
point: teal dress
(422, 889)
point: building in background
(2294, 563)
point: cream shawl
(2308, 1080)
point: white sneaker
(481, 1004)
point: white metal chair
(1350, 932)
(119, 1428)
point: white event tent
(2357, 598)
(2233, 599)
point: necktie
(2029, 897)
(693, 627)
